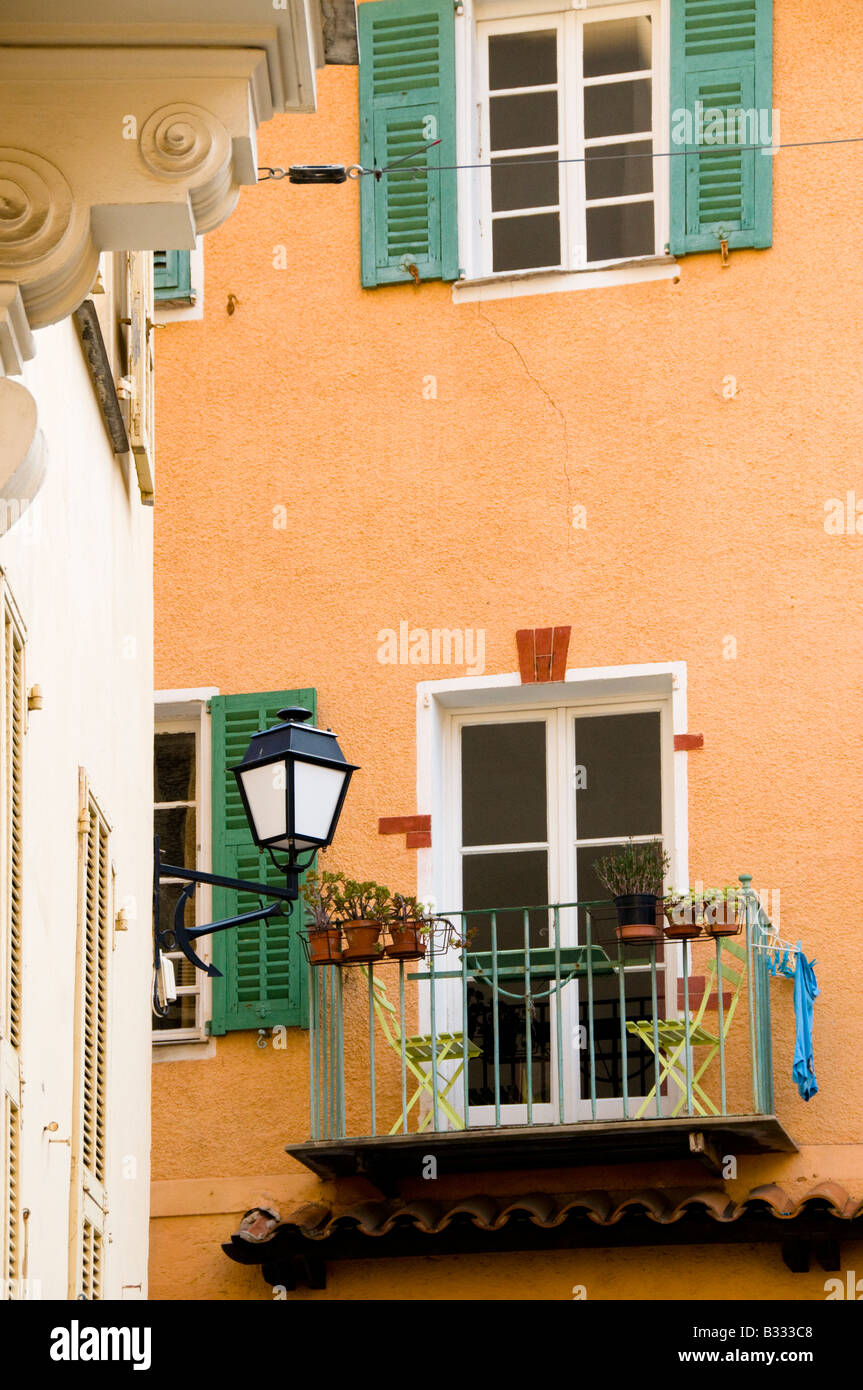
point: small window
(177, 817)
(570, 114)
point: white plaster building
(124, 129)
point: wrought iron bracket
(179, 938)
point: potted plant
(409, 928)
(721, 910)
(634, 877)
(362, 910)
(683, 916)
(323, 933)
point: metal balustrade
(486, 1033)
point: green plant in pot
(684, 914)
(409, 927)
(634, 877)
(323, 933)
(362, 909)
(723, 910)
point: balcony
(579, 1049)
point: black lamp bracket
(180, 938)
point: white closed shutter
(89, 1198)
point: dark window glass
(169, 895)
(503, 783)
(174, 760)
(522, 60)
(526, 243)
(501, 881)
(620, 232)
(181, 1014)
(603, 919)
(612, 171)
(506, 881)
(176, 831)
(525, 121)
(617, 108)
(620, 755)
(523, 182)
(617, 45)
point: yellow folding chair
(420, 1054)
(671, 1035)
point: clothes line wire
(357, 171)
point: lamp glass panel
(316, 796)
(265, 792)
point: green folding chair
(671, 1035)
(419, 1055)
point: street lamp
(292, 780)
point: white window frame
(443, 707)
(477, 21)
(183, 711)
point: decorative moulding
(16, 340)
(117, 149)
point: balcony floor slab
(387, 1159)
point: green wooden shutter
(172, 277)
(263, 965)
(407, 100)
(721, 57)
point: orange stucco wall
(705, 520)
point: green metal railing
(613, 993)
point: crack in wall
(552, 402)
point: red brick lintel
(416, 829)
(687, 743)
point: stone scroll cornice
(118, 149)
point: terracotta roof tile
(664, 1206)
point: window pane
(522, 60)
(169, 895)
(616, 108)
(503, 784)
(603, 920)
(638, 997)
(524, 243)
(176, 831)
(181, 1014)
(524, 183)
(622, 795)
(620, 232)
(500, 881)
(521, 122)
(610, 174)
(174, 758)
(618, 45)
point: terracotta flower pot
(406, 941)
(721, 920)
(362, 938)
(686, 930)
(637, 917)
(325, 945)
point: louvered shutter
(172, 277)
(88, 1195)
(141, 407)
(722, 58)
(263, 966)
(407, 100)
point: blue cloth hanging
(806, 991)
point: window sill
(191, 1049)
(641, 271)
